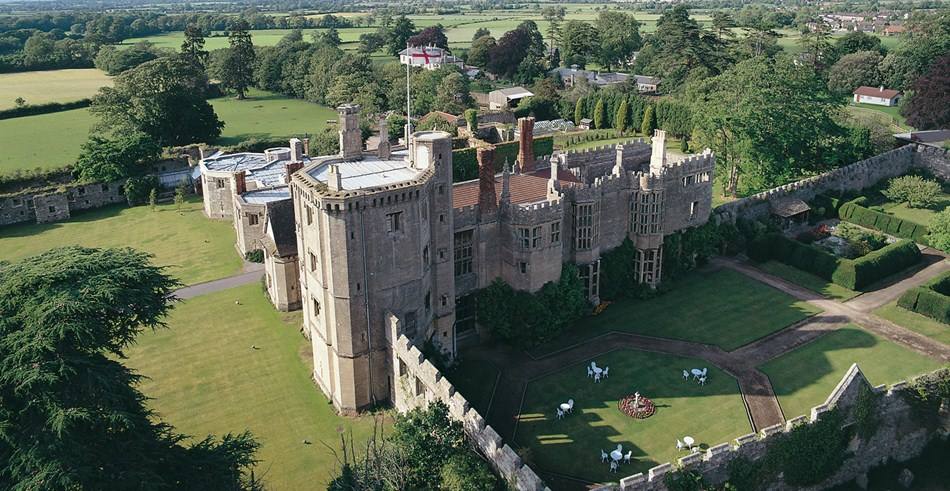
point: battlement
(892, 440)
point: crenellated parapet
(534, 213)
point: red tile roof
(876, 92)
(523, 188)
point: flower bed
(646, 409)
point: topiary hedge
(49, 107)
(854, 211)
(929, 299)
(853, 274)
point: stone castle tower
(374, 234)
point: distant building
(570, 76)
(429, 57)
(894, 30)
(876, 95)
(507, 98)
(646, 84)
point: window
(445, 300)
(81, 190)
(219, 183)
(536, 237)
(313, 261)
(463, 252)
(555, 232)
(688, 180)
(692, 208)
(523, 267)
(394, 222)
(425, 256)
(583, 226)
(410, 328)
(428, 302)
(525, 235)
(316, 306)
(252, 219)
(52, 209)
(105, 187)
(589, 275)
(309, 214)
(465, 313)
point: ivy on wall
(465, 161)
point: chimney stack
(487, 201)
(240, 182)
(554, 185)
(526, 144)
(296, 150)
(334, 178)
(505, 185)
(658, 155)
(383, 150)
(306, 146)
(351, 141)
(290, 168)
(618, 165)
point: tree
(856, 41)
(916, 191)
(115, 61)
(180, 190)
(939, 231)
(680, 49)
(619, 38)
(326, 142)
(480, 52)
(554, 14)
(926, 39)
(519, 54)
(72, 414)
(370, 42)
(649, 122)
(600, 115)
(452, 95)
(817, 50)
(853, 71)
(722, 23)
(480, 32)
(928, 106)
(430, 36)
(163, 98)
(398, 35)
(108, 160)
(467, 472)
(330, 37)
(238, 67)
(192, 48)
(437, 123)
(579, 42)
(471, 119)
(579, 110)
(152, 198)
(622, 119)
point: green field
(888, 116)
(920, 324)
(804, 377)
(51, 86)
(205, 378)
(54, 140)
(723, 308)
(920, 216)
(808, 280)
(193, 248)
(711, 414)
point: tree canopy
(111, 159)
(71, 415)
(928, 107)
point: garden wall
(57, 203)
(417, 383)
(899, 435)
(853, 177)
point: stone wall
(57, 204)
(852, 177)
(416, 383)
(899, 436)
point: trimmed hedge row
(50, 107)
(853, 274)
(929, 299)
(854, 212)
(465, 161)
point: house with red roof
(876, 95)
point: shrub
(916, 191)
(929, 299)
(855, 212)
(137, 189)
(255, 256)
(810, 453)
(884, 262)
(939, 231)
(863, 240)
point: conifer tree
(622, 120)
(600, 115)
(579, 110)
(238, 69)
(649, 122)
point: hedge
(929, 299)
(50, 107)
(465, 161)
(854, 212)
(853, 274)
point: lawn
(268, 115)
(723, 308)
(51, 86)
(206, 379)
(808, 280)
(885, 115)
(920, 324)
(711, 414)
(263, 37)
(804, 377)
(54, 140)
(194, 248)
(920, 216)
(476, 381)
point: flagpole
(408, 98)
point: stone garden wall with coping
(853, 177)
(899, 436)
(417, 383)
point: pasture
(51, 86)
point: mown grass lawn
(808, 280)
(266, 115)
(194, 248)
(723, 308)
(920, 216)
(803, 378)
(711, 414)
(206, 379)
(476, 381)
(51, 85)
(920, 324)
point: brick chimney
(240, 182)
(487, 203)
(290, 168)
(526, 144)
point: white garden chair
(613, 466)
(627, 456)
(596, 378)
(704, 372)
(685, 374)
(560, 413)
(590, 372)
(702, 380)
(606, 371)
(603, 456)
(570, 405)
(679, 445)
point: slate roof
(523, 188)
(280, 216)
(788, 207)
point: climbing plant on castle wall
(465, 163)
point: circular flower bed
(644, 411)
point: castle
(361, 238)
